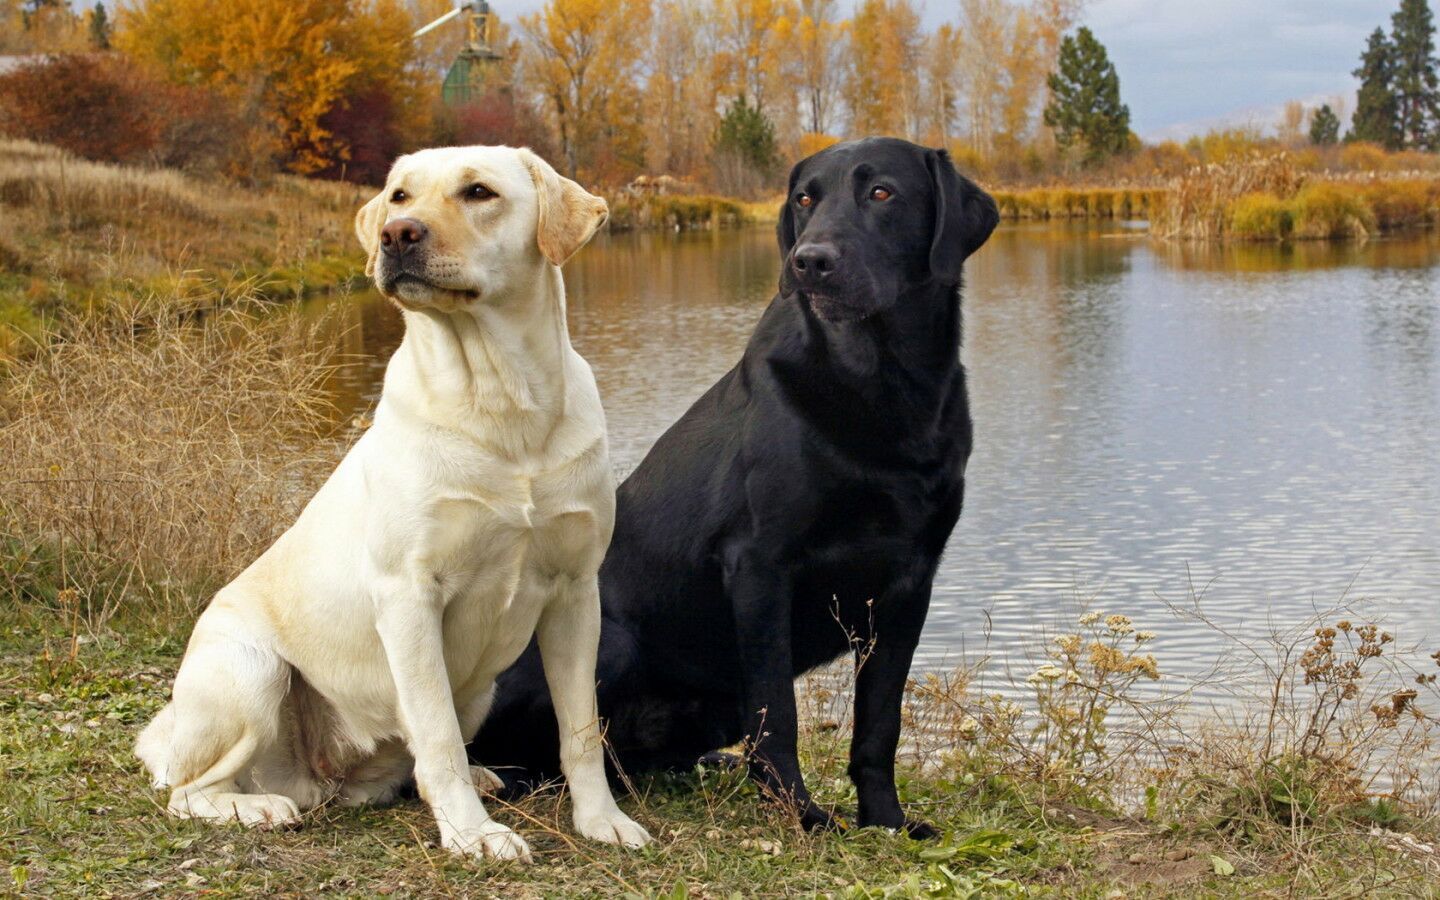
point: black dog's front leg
(760, 598)
(883, 664)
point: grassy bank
(76, 234)
(147, 461)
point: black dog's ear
(785, 228)
(964, 217)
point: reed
(1076, 203)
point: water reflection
(1262, 422)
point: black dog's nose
(814, 261)
(400, 235)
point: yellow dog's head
(455, 226)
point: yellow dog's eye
(399, 197)
(880, 193)
(479, 192)
(804, 200)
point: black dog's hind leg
(761, 601)
(882, 666)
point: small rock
(1136, 859)
(45, 698)
(1179, 854)
(146, 887)
(189, 864)
(193, 880)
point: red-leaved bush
(103, 107)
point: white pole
(440, 21)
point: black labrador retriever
(798, 510)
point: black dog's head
(867, 221)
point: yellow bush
(811, 142)
(1260, 217)
(1362, 156)
(1330, 211)
(1400, 204)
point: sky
(1190, 65)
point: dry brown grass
(152, 453)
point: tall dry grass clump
(1201, 203)
(150, 455)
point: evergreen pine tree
(1374, 118)
(1414, 81)
(1324, 126)
(99, 28)
(745, 132)
(1085, 107)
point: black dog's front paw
(920, 831)
(719, 759)
(818, 818)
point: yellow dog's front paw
(489, 841)
(613, 827)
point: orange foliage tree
(584, 56)
(883, 90)
(289, 63)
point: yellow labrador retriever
(361, 649)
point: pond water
(1256, 426)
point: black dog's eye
(479, 191)
(880, 193)
(804, 199)
(399, 196)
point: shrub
(811, 143)
(1260, 217)
(102, 107)
(1402, 204)
(1331, 211)
(1363, 156)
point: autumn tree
(885, 50)
(1324, 126)
(942, 67)
(287, 62)
(1292, 123)
(679, 90)
(585, 56)
(1085, 108)
(984, 27)
(749, 36)
(816, 53)
(1413, 79)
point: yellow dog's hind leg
(225, 713)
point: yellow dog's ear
(367, 228)
(569, 214)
